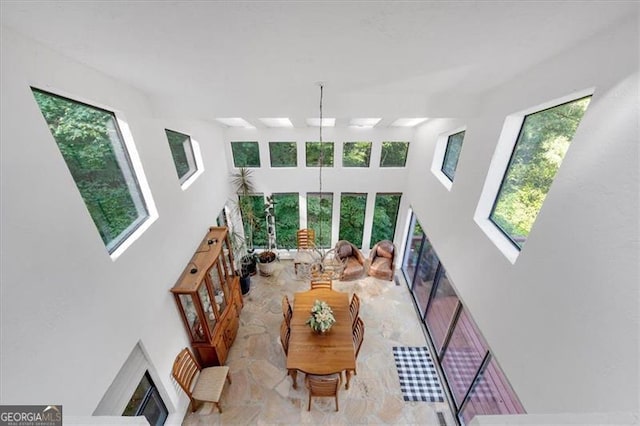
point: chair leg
(218, 405)
(309, 407)
(228, 378)
(337, 409)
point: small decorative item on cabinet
(208, 298)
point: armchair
(381, 261)
(351, 258)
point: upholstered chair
(381, 261)
(352, 259)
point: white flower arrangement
(321, 318)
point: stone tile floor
(261, 391)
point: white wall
(563, 320)
(71, 315)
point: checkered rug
(418, 377)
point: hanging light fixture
(320, 217)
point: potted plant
(243, 186)
(267, 258)
(321, 319)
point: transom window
(182, 153)
(245, 154)
(356, 154)
(452, 154)
(283, 154)
(394, 154)
(541, 145)
(92, 145)
(313, 151)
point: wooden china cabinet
(209, 298)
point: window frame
(273, 143)
(447, 152)
(191, 155)
(130, 157)
(439, 155)
(499, 166)
(406, 154)
(355, 143)
(248, 166)
(320, 144)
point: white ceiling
(263, 59)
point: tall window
(287, 213)
(146, 401)
(356, 154)
(245, 154)
(182, 153)
(254, 219)
(283, 154)
(352, 210)
(452, 153)
(320, 216)
(394, 154)
(385, 216)
(93, 148)
(313, 154)
(543, 141)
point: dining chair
(285, 333)
(287, 312)
(323, 386)
(354, 309)
(358, 337)
(200, 384)
(321, 283)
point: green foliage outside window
(394, 154)
(92, 146)
(287, 213)
(313, 154)
(283, 154)
(257, 223)
(385, 216)
(245, 154)
(352, 211)
(544, 139)
(182, 153)
(356, 154)
(452, 154)
(319, 217)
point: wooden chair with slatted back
(321, 283)
(323, 386)
(358, 337)
(200, 384)
(307, 254)
(354, 309)
(285, 333)
(287, 312)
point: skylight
(276, 122)
(235, 122)
(364, 122)
(326, 122)
(408, 122)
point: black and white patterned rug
(418, 377)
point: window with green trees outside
(394, 154)
(356, 154)
(287, 217)
(283, 154)
(182, 153)
(245, 154)
(91, 144)
(385, 216)
(452, 154)
(313, 154)
(254, 219)
(319, 217)
(352, 211)
(543, 141)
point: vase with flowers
(321, 319)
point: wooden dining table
(321, 354)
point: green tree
(394, 154)
(283, 154)
(245, 154)
(356, 154)
(320, 216)
(385, 215)
(352, 212)
(452, 154)
(544, 139)
(313, 154)
(287, 212)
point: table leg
(348, 375)
(294, 378)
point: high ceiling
(249, 59)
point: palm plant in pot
(267, 258)
(243, 209)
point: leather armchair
(351, 258)
(381, 261)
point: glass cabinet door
(191, 317)
(227, 258)
(216, 278)
(205, 298)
